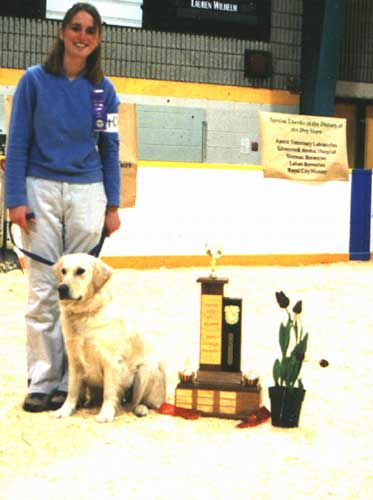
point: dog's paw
(107, 414)
(141, 411)
(66, 410)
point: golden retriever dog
(101, 353)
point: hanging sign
(249, 19)
(305, 148)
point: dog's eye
(63, 271)
(80, 271)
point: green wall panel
(170, 133)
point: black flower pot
(286, 404)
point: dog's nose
(63, 292)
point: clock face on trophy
(219, 389)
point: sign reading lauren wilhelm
(302, 147)
(248, 19)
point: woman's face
(80, 37)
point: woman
(62, 182)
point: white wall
(179, 210)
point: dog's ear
(57, 268)
(101, 273)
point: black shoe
(57, 400)
(36, 402)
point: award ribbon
(99, 116)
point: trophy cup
(219, 389)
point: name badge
(112, 123)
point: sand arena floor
(329, 457)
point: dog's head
(80, 276)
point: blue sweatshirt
(50, 135)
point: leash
(95, 251)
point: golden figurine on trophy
(215, 253)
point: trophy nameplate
(234, 401)
(219, 389)
(211, 322)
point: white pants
(69, 218)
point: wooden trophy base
(224, 400)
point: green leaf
(296, 370)
(277, 372)
(286, 370)
(284, 337)
(300, 348)
(303, 343)
(298, 354)
(296, 330)
(301, 333)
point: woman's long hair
(54, 61)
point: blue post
(360, 214)
(323, 29)
(327, 72)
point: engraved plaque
(211, 324)
(212, 290)
(232, 401)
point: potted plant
(287, 394)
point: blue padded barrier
(360, 214)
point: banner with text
(302, 147)
(248, 19)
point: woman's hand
(2, 163)
(112, 220)
(17, 215)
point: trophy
(218, 389)
(215, 253)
